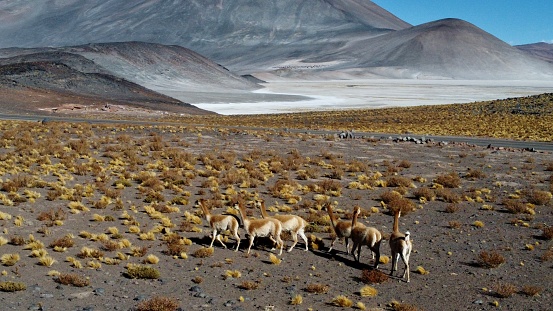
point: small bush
(317, 288)
(368, 291)
(538, 197)
(203, 252)
(17, 240)
(448, 196)
(454, 224)
(491, 259)
(452, 208)
(514, 206)
(547, 233)
(249, 285)
(426, 193)
(475, 174)
(9, 259)
(547, 255)
(531, 291)
(399, 181)
(64, 242)
(450, 180)
(342, 301)
(72, 279)
(404, 205)
(12, 286)
(296, 300)
(135, 271)
(373, 277)
(504, 290)
(398, 306)
(158, 303)
(389, 196)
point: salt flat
(366, 93)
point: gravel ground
(445, 274)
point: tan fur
(342, 229)
(290, 223)
(362, 235)
(400, 245)
(271, 228)
(220, 223)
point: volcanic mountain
(299, 38)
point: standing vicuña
(290, 223)
(271, 228)
(400, 245)
(220, 223)
(362, 235)
(342, 229)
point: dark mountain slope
(19, 80)
(541, 50)
(148, 64)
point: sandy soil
(454, 280)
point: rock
(195, 289)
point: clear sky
(513, 21)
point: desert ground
(102, 217)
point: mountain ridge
(288, 38)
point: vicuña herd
(273, 226)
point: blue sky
(513, 21)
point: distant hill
(289, 38)
(540, 50)
(75, 80)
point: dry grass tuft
(317, 288)
(491, 259)
(368, 291)
(451, 180)
(296, 300)
(373, 276)
(158, 303)
(135, 271)
(504, 290)
(9, 259)
(531, 291)
(249, 285)
(72, 279)
(64, 242)
(274, 259)
(399, 306)
(454, 224)
(203, 252)
(538, 197)
(342, 301)
(10, 286)
(547, 233)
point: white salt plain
(373, 93)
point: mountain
(448, 48)
(541, 50)
(289, 38)
(65, 73)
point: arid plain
(102, 217)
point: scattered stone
(195, 289)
